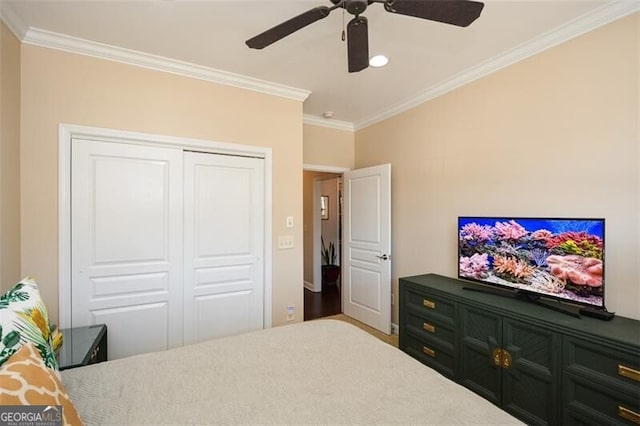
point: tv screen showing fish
(556, 258)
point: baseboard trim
(309, 286)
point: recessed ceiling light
(327, 114)
(378, 61)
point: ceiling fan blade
(456, 12)
(358, 44)
(282, 30)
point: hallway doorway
(322, 298)
(363, 246)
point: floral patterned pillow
(24, 318)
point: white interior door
(224, 233)
(126, 244)
(366, 294)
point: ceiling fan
(455, 12)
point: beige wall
(59, 87)
(553, 135)
(9, 158)
(328, 147)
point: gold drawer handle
(429, 351)
(429, 303)
(428, 327)
(629, 373)
(625, 413)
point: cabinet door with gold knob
(481, 368)
(531, 372)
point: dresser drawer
(433, 353)
(596, 403)
(430, 306)
(595, 361)
(419, 323)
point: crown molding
(331, 124)
(52, 40)
(13, 22)
(603, 15)
(590, 21)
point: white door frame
(67, 132)
(317, 224)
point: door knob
(383, 257)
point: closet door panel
(126, 255)
(223, 245)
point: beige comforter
(321, 371)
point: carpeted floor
(392, 340)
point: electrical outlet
(394, 329)
(285, 242)
(291, 313)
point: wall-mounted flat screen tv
(554, 258)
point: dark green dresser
(542, 366)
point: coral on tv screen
(556, 258)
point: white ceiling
(426, 58)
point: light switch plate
(285, 242)
(289, 221)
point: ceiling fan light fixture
(455, 12)
(378, 61)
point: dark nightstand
(83, 346)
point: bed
(322, 371)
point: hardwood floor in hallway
(322, 304)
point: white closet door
(127, 266)
(223, 245)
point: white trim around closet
(67, 132)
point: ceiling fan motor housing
(356, 7)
